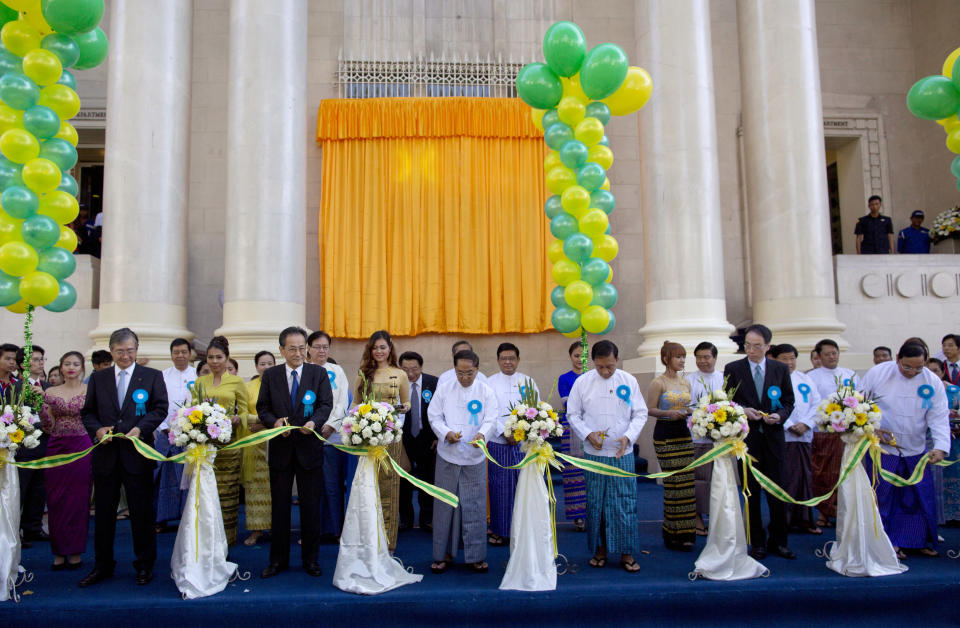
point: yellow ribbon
(547, 458)
(196, 456)
(739, 450)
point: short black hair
(101, 357)
(124, 333)
(318, 334)
(937, 362)
(574, 347)
(177, 342)
(22, 353)
(882, 348)
(954, 337)
(603, 349)
(453, 349)
(875, 197)
(703, 346)
(826, 342)
(290, 331)
(260, 354)
(411, 355)
(779, 350)
(507, 346)
(761, 330)
(912, 350)
(466, 354)
(235, 364)
(9, 348)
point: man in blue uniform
(914, 239)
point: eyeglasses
(124, 351)
(463, 374)
(911, 369)
(320, 347)
(292, 349)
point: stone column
(791, 262)
(146, 161)
(680, 189)
(264, 277)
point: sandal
(631, 567)
(598, 561)
(928, 552)
(901, 555)
(496, 540)
(702, 531)
(440, 566)
(814, 530)
(253, 539)
(579, 525)
(480, 567)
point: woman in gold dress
(254, 471)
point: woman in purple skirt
(69, 486)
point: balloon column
(40, 40)
(937, 98)
(573, 96)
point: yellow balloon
(602, 155)
(10, 229)
(575, 199)
(19, 145)
(593, 223)
(948, 64)
(20, 307)
(578, 294)
(19, 37)
(575, 333)
(59, 205)
(589, 131)
(10, 118)
(68, 239)
(69, 133)
(571, 110)
(536, 115)
(606, 184)
(63, 100)
(22, 5)
(595, 319)
(948, 121)
(953, 141)
(558, 179)
(41, 175)
(552, 161)
(18, 258)
(554, 250)
(39, 288)
(605, 247)
(632, 94)
(609, 276)
(42, 66)
(571, 87)
(564, 271)
(34, 17)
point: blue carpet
(802, 592)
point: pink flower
(712, 408)
(544, 433)
(850, 402)
(389, 425)
(171, 437)
(347, 428)
(839, 427)
(532, 413)
(689, 424)
(213, 430)
(745, 428)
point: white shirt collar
(128, 370)
(418, 383)
(299, 371)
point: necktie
(953, 374)
(758, 382)
(414, 411)
(294, 388)
(121, 387)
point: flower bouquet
(862, 547)
(19, 428)
(199, 562)
(371, 424)
(724, 421)
(946, 225)
(532, 422)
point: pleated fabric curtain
(431, 217)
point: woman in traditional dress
(574, 488)
(254, 471)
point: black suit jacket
(101, 409)
(424, 440)
(274, 403)
(775, 374)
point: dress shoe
(757, 553)
(95, 576)
(74, 566)
(144, 576)
(40, 537)
(782, 551)
(313, 569)
(272, 570)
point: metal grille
(427, 78)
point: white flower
(715, 434)
(382, 411)
(387, 438)
(202, 438)
(355, 439)
(367, 432)
(376, 427)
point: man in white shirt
(798, 434)
(508, 385)
(450, 375)
(704, 380)
(169, 499)
(332, 504)
(606, 410)
(461, 412)
(827, 449)
(912, 400)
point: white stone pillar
(146, 161)
(680, 188)
(791, 264)
(264, 279)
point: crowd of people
(603, 410)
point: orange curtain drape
(431, 217)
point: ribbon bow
(925, 392)
(140, 397)
(774, 393)
(953, 394)
(475, 408)
(308, 398)
(623, 391)
(333, 379)
(804, 389)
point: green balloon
(72, 16)
(604, 141)
(42, 121)
(603, 294)
(613, 322)
(564, 225)
(539, 86)
(578, 247)
(9, 174)
(557, 134)
(565, 319)
(556, 297)
(930, 98)
(68, 184)
(955, 75)
(10, 289)
(573, 154)
(9, 62)
(7, 15)
(20, 202)
(57, 261)
(955, 166)
(602, 199)
(60, 152)
(18, 90)
(40, 231)
(595, 271)
(603, 70)
(550, 117)
(93, 49)
(67, 78)
(564, 48)
(66, 298)
(598, 110)
(67, 50)
(590, 176)
(553, 207)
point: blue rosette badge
(773, 394)
(140, 397)
(804, 389)
(475, 408)
(308, 398)
(333, 379)
(427, 395)
(623, 391)
(925, 392)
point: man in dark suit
(419, 441)
(33, 495)
(109, 407)
(286, 393)
(762, 384)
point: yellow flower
(552, 414)
(874, 408)
(17, 436)
(196, 416)
(833, 407)
(721, 416)
(518, 435)
(365, 408)
(861, 419)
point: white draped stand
(199, 563)
(532, 566)
(10, 569)
(862, 547)
(725, 555)
(364, 564)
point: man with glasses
(912, 400)
(450, 375)
(419, 441)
